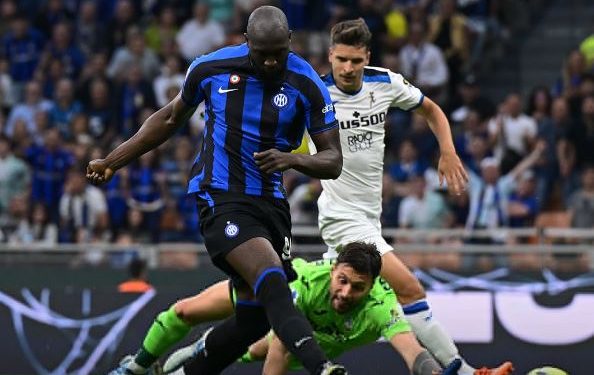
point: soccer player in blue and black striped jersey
(259, 99)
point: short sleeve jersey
(362, 118)
(378, 315)
(244, 114)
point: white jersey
(362, 118)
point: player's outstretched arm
(154, 131)
(277, 359)
(325, 164)
(450, 167)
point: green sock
(167, 330)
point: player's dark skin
(268, 39)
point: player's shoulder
(297, 64)
(376, 74)
(226, 53)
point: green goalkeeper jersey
(377, 315)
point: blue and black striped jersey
(244, 115)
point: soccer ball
(547, 371)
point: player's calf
(425, 364)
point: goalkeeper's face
(347, 287)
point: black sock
(230, 340)
(291, 327)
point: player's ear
(290, 34)
(246, 37)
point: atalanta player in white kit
(350, 206)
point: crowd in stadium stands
(79, 76)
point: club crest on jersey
(234, 79)
(280, 100)
(231, 230)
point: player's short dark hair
(352, 33)
(136, 267)
(363, 257)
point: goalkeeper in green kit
(346, 303)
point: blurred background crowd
(78, 77)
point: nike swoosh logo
(302, 341)
(224, 91)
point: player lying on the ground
(346, 303)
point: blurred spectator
(390, 202)
(124, 16)
(37, 228)
(162, 28)
(423, 64)
(49, 161)
(221, 11)
(423, 208)
(171, 75)
(373, 12)
(574, 67)
(469, 98)
(582, 133)
(303, 202)
(560, 163)
(61, 47)
(138, 281)
(102, 124)
(95, 68)
(539, 104)
(26, 111)
(15, 176)
(55, 72)
(7, 91)
(581, 204)
(176, 165)
(478, 149)
(134, 94)
(421, 136)
(147, 184)
(65, 108)
(472, 126)
(490, 192)
(50, 14)
(8, 10)
(447, 30)
(137, 227)
(90, 32)
(83, 210)
(408, 164)
(523, 206)
(22, 47)
(134, 53)
(200, 35)
(512, 133)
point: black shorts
(229, 219)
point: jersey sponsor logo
(328, 108)
(361, 121)
(234, 79)
(360, 142)
(280, 100)
(231, 230)
(224, 91)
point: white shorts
(339, 232)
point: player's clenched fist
(273, 160)
(98, 172)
